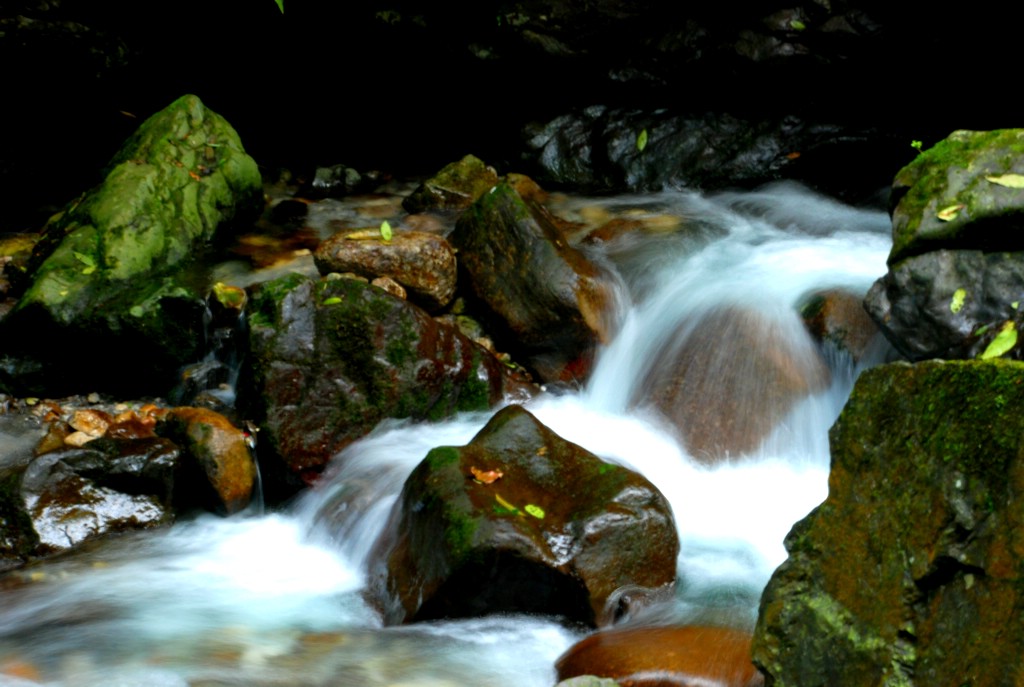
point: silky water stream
(276, 599)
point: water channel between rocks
(276, 600)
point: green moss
(441, 457)
(265, 308)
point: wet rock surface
(664, 657)
(838, 319)
(909, 572)
(540, 295)
(423, 263)
(455, 187)
(331, 358)
(521, 521)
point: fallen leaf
(486, 476)
(1007, 180)
(506, 504)
(535, 511)
(957, 304)
(333, 300)
(385, 230)
(792, 156)
(641, 140)
(948, 213)
(1004, 341)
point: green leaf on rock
(535, 511)
(87, 260)
(333, 300)
(949, 213)
(505, 504)
(957, 304)
(136, 311)
(385, 230)
(641, 140)
(1007, 180)
(280, 5)
(797, 25)
(1004, 341)
(1015, 305)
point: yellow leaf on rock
(948, 213)
(1004, 341)
(957, 304)
(1007, 180)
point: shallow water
(277, 599)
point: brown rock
(221, 451)
(423, 263)
(664, 657)
(839, 318)
(732, 378)
(453, 188)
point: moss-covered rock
(455, 187)
(331, 358)
(912, 570)
(111, 272)
(546, 300)
(521, 521)
(957, 195)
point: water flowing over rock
(542, 296)
(423, 263)
(664, 656)
(332, 358)
(109, 273)
(730, 377)
(910, 571)
(521, 521)
(837, 318)
(956, 270)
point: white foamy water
(277, 599)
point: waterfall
(277, 598)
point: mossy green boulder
(455, 187)
(521, 521)
(114, 274)
(967, 191)
(331, 358)
(912, 570)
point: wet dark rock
(423, 263)
(541, 297)
(949, 303)
(521, 521)
(455, 187)
(599, 149)
(336, 181)
(664, 657)
(837, 318)
(331, 358)
(909, 572)
(110, 273)
(729, 378)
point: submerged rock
(729, 378)
(423, 263)
(838, 318)
(109, 274)
(664, 656)
(331, 358)
(521, 521)
(910, 571)
(541, 295)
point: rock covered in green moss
(331, 358)
(455, 187)
(521, 521)
(912, 570)
(544, 297)
(110, 273)
(965, 192)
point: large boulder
(910, 572)
(110, 273)
(956, 269)
(332, 358)
(664, 656)
(542, 296)
(521, 521)
(455, 187)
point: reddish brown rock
(838, 318)
(423, 263)
(664, 657)
(221, 451)
(733, 377)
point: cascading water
(277, 599)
